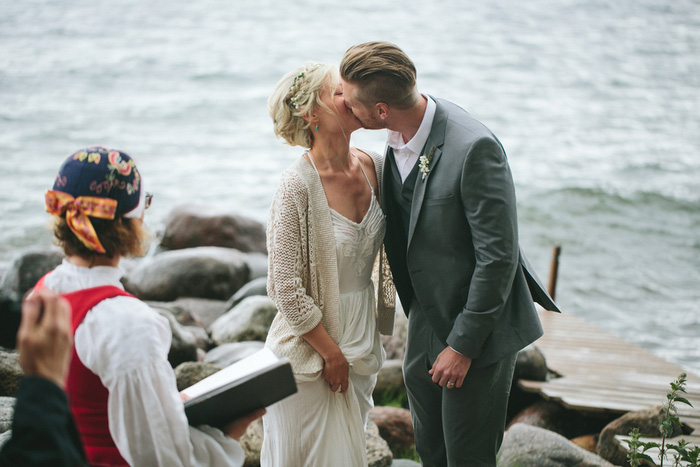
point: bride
(325, 231)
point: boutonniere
(424, 163)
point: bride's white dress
(316, 427)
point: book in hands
(255, 382)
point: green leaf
(683, 401)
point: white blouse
(126, 343)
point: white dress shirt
(126, 344)
(406, 154)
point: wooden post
(553, 271)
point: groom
(452, 243)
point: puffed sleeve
(126, 344)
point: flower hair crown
(297, 93)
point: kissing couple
(433, 220)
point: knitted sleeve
(288, 256)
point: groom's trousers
(460, 426)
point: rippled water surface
(596, 103)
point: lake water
(596, 103)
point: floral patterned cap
(96, 183)
(103, 173)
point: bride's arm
(335, 369)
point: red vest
(87, 396)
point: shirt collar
(415, 145)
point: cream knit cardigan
(303, 269)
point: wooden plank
(602, 373)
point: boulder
(378, 452)
(201, 339)
(189, 373)
(195, 311)
(189, 226)
(255, 287)
(530, 365)
(545, 414)
(7, 410)
(587, 442)
(647, 421)
(247, 321)
(395, 345)
(530, 445)
(257, 263)
(204, 272)
(229, 353)
(183, 347)
(5, 437)
(251, 442)
(26, 269)
(390, 386)
(404, 463)
(10, 373)
(395, 427)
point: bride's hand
(336, 371)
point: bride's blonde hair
(296, 95)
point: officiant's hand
(238, 427)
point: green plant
(637, 448)
(393, 398)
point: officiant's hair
(297, 94)
(382, 73)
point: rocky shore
(207, 277)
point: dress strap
(363, 171)
(312, 162)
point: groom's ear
(382, 110)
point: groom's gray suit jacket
(458, 256)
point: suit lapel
(436, 140)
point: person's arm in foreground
(43, 430)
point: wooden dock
(600, 372)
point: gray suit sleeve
(488, 196)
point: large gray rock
(404, 463)
(255, 287)
(395, 427)
(10, 373)
(189, 373)
(7, 410)
(552, 416)
(390, 386)
(378, 452)
(26, 269)
(229, 353)
(257, 263)
(647, 421)
(530, 365)
(5, 437)
(249, 320)
(194, 311)
(189, 226)
(525, 445)
(183, 347)
(205, 272)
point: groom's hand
(450, 367)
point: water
(596, 103)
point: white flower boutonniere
(424, 163)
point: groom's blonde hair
(382, 73)
(296, 95)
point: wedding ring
(450, 384)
